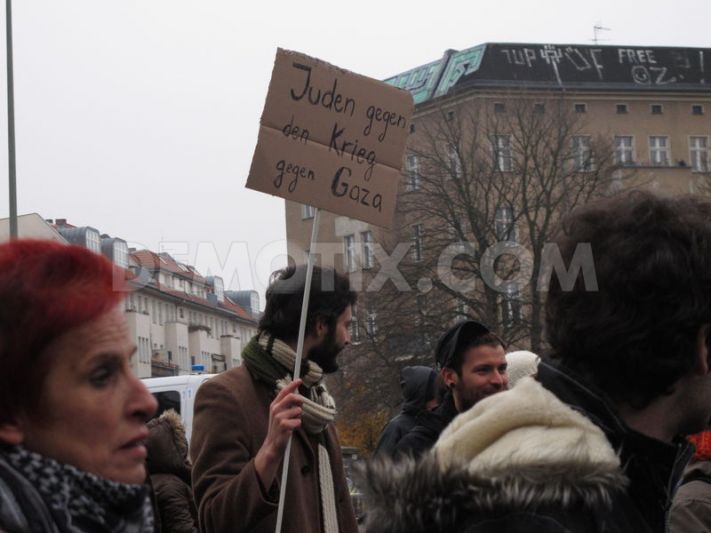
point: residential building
(492, 123)
(177, 317)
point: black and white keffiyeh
(40, 494)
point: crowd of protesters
(609, 431)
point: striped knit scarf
(272, 361)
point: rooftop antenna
(597, 28)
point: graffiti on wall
(419, 81)
(562, 65)
(460, 64)
(641, 66)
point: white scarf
(319, 410)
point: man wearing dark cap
(471, 360)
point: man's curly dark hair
(636, 335)
(330, 295)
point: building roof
(559, 66)
(153, 262)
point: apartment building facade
(177, 318)
(622, 117)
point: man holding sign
(244, 417)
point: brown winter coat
(229, 426)
(691, 511)
(169, 472)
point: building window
(412, 128)
(367, 238)
(455, 164)
(621, 109)
(582, 153)
(624, 150)
(581, 108)
(659, 150)
(93, 241)
(350, 251)
(504, 224)
(371, 326)
(697, 109)
(307, 211)
(511, 306)
(417, 233)
(413, 174)
(462, 309)
(656, 109)
(499, 107)
(539, 108)
(355, 328)
(502, 153)
(699, 153)
(450, 115)
(121, 254)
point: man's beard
(469, 399)
(324, 354)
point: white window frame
(699, 155)
(503, 155)
(511, 306)
(504, 226)
(413, 173)
(417, 242)
(652, 106)
(121, 254)
(349, 248)
(582, 153)
(371, 316)
(307, 211)
(700, 107)
(582, 109)
(659, 155)
(367, 241)
(93, 241)
(355, 327)
(624, 155)
(454, 163)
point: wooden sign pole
(297, 363)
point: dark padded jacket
(428, 427)
(417, 383)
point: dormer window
(121, 254)
(93, 240)
(219, 289)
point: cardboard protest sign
(332, 139)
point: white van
(177, 392)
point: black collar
(654, 467)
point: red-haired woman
(72, 413)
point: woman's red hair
(46, 289)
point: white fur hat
(520, 365)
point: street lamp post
(11, 123)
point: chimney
(61, 222)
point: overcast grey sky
(140, 117)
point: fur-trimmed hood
(167, 446)
(522, 449)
